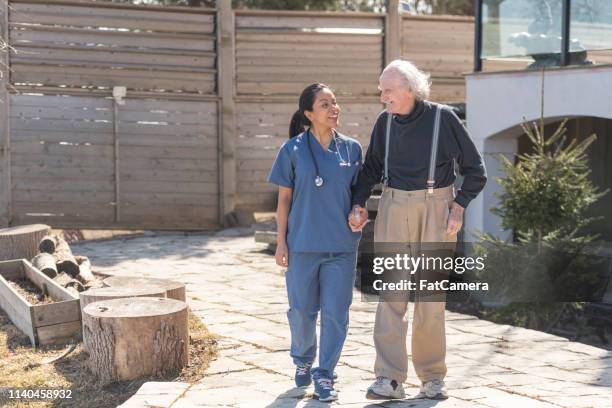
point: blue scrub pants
(319, 282)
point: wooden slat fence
(206, 108)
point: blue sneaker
(302, 375)
(324, 390)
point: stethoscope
(318, 181)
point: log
(68, 282)
(64, 259)
(47, 244)
(22, 241)
(135, 337)
(119, 292)
(174, 290)
(85, 275)
(45, 263)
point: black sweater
(409, 151)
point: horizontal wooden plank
(330, 62)
(161, 163)
(159, 128)
(58, 112)
(208, 142)
(256, 187)
(103, 92)
(59, 333)
(294, 88)
(251, 49)
(56, 313)
(134, 111)
(85, 212)
(177, 176)
(63, 185)
(61, 124)
(144, 199)
(245, 38)
(129, 152)
(46, 160)
(191, 224)
(372, 69)
(63, 101)
(61, 149)
(169, 187)
(329, 77)
(120, 6)
(324, 56)
(301, 22)
(246, 108)
(168, 213)
(93, 57)
(85, 16)
(38, 34)
(52, 75)
(81, 197)
(169, 105)
(266, 154)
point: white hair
(415, 79)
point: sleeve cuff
(359, 202)
(462, 200)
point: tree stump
(135, 337)
(174, 290)
(46, 264)
(119, 292)
(21, 242)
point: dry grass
(23, 367)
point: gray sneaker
(384, 389)
(434, 389)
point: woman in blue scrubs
(314, 171)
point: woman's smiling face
(325, 110)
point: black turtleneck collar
(415, 113)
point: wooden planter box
(46, 323)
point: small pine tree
(545, 198)
(547, 192)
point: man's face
(395, 94)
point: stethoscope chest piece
(318, 181)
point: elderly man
(413, 150)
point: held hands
(455, 219)
(358, 218)
(282, 254)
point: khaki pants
(415, 217)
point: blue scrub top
(318, 216)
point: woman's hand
(282, 254)
(358, 218)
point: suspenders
(432, 157)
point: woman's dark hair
(307, 98)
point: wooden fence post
(393, 31)
(5, 171)
(226, 68)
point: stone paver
(238, 291)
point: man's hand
(282, 254)
(358, 218)
(455, 219)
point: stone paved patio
(238, 291)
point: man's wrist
(458, 207)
